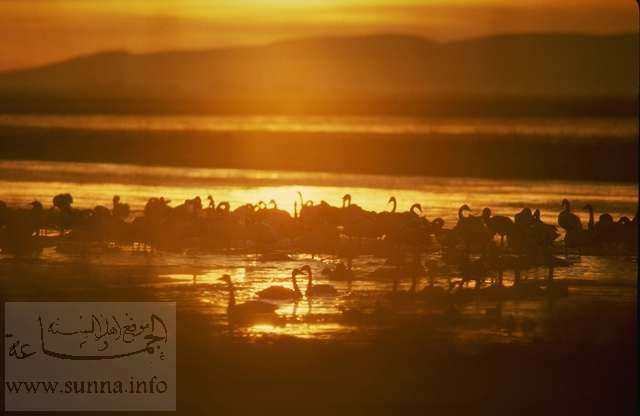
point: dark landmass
(598, 159)
(535, 74)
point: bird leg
(516, 276)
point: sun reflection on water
(192, 278)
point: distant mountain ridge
(376, 67)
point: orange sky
(40, 31)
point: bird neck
(395, 205)
(295, 284)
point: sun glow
(73, 27)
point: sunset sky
(40, 31)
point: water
(191, 278)
(92, 184)
(615, 128)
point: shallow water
(191, 278)
(96, 183)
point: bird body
(252, 311)
(497, 224)
(572, 225)
(471, 229)
(281, 292)
(317, 290)
(341, 272)
(568, 220)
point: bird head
(463, 208)
(226, 278)
(565, 202)
(36, 205)
(486, 213)
(416, 207)
(305, 269)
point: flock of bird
(314, 228)
(403, 238)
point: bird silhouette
(253, 311)
(314, 290)
(281, 292)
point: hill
(339, 75)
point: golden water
(190, 278)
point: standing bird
(471, 230)
(524, 218)
(317, 290)
(497, 224)
(568, 220)
(571, 224)
(248, 312)
(543, 234)
(281, 292)
(120, 210)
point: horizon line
(288, 39)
